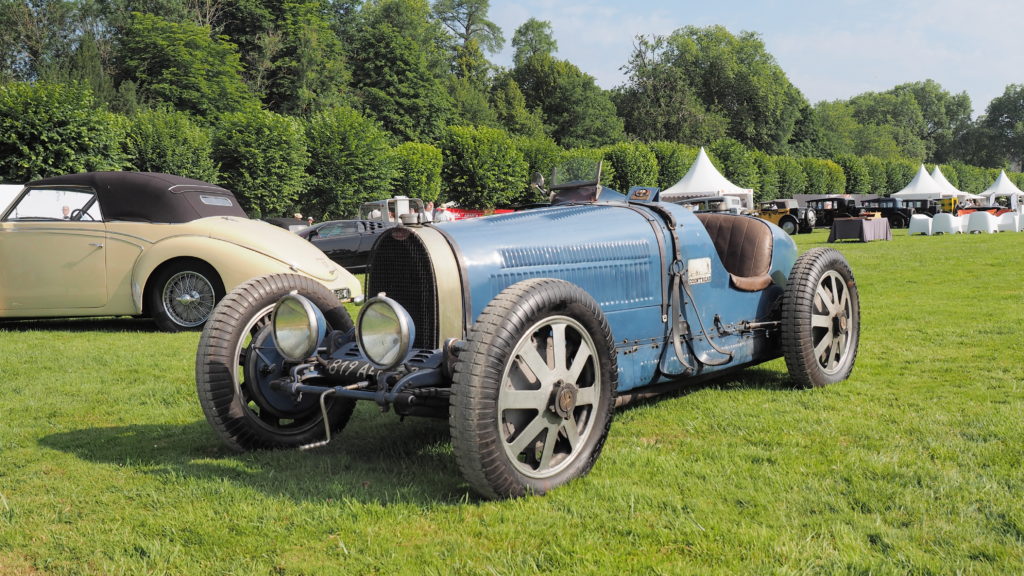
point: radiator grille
(400, 267)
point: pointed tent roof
(922, 187)
(703, 179)
(951, 190)
(1003, 186)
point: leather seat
(745, 246)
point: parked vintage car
(898, 211)
(346, 242)
(826, 210)
(788, 215)
(129, 243)
(525, 330)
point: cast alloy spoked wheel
(820, 319)
(188, 298)
(548, 397)
(533, 391)
(831, 322)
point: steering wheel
(78, 214)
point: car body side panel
(67, 261)
(613, 252)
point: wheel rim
(253, 355)
(832, 322)
(188, 299)
(549, 396)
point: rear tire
(232, 380)
(533, 393)
(820, 319)
(182, 295)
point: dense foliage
(318, 105)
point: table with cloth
(862, 229)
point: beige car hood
(274, 242)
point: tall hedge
(481, 167)
(263, 160)
(792, 178)
(674, 161)
(168, 141)
(350, 162)
(583, 158)
(417, 171)
(858, 180)
(899, 173)
(736, 162)
(542, 154)
(52, 129)
(635, 165)
(879, 179)
(769, 177)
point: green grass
(913, 466)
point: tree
(51, 129)
(181, 64)
(896, 116)
(350, 162)
(509, 105)
(731, 76)
(482, 168)
(736, 163)
(531, 38)
(397, 69)
(659, 103)
(946, 116)
(473, 34)
(578, 111)
(674, 161)
(170, 141)
(263, 160)
(1004, 118)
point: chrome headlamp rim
(404, 332)
(305, 330)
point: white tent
(1003, 186)
(703, 179)
(922, 187)
(951, 190)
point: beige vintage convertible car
(141, 244)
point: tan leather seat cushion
(745, 246)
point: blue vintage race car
(525, 330)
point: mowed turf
(913, 466)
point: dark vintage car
(898, 211)
(526, 330)
(788, 215)
(828, 209)
(140, 244)
(347, 242)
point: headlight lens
(299, 327)
(385, 332)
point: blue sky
(830, 50)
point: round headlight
(385, 332)
(299, 327)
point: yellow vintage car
(141, 244)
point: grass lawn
(913, 466)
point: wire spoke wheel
(188, 298)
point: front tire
(820, 319)
(183, 295)
(533, 393)
(789, 224)
(235, 365)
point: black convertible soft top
(150, 196)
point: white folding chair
(1009, 222)
(920, 224)
(981, 222)
(946, 223)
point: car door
(52, 248)
(342, 242)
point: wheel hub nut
(565, 399)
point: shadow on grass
(376, 459)
(386, 462)
(755, 378)
(107, 324)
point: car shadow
(110, 324)
(375, 459)
(370, 462)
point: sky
(830, 50)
